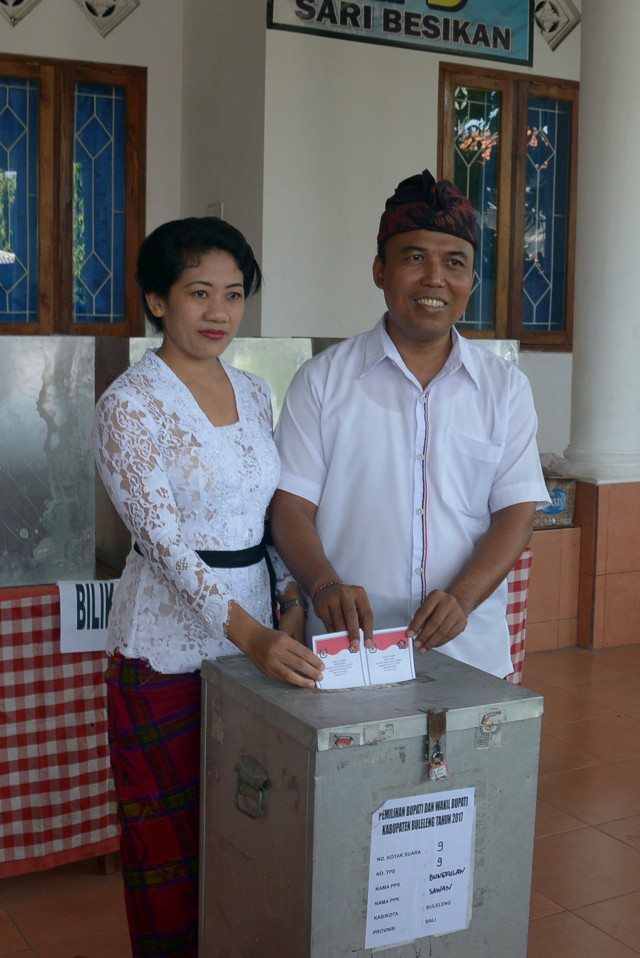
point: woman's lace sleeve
(283, 577)
(130, 465)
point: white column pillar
(605, 407)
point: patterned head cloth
(421, 203)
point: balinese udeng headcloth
(421, 203)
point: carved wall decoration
(106, 14)
(15, 10)
(556, 19)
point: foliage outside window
(509, 141)
(72, 184)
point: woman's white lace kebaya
(182, 484)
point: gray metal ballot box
(299, 784)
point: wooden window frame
(57, 79)
(515, 90)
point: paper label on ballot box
(420, 867)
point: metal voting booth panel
(394, 819)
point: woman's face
(203, 309)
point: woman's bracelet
(292, 603)
(325, 585)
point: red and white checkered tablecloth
(518, 583)
(57, 802)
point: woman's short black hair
(174, 246)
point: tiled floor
(586, 872)
(586, 869)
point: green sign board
(499, 30)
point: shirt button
(420, 457)
(418, 571)
(423, 399)
(419, 512)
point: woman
(184, 448)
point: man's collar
(380, 346)
(462, 355)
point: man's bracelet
(326, 585)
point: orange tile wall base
(552, 610)
(609, 586)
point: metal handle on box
(251, 786)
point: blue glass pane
(477, 148)
(19, 142)
(546, 215)
(99, 179)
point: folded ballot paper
(389, 660)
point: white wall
(344, 123)
(550, 378)
(150, 37)
(223, 118)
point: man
(410, 473)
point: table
(57, 802)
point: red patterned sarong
(154, 738)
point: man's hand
(341, 607)
(439, 619)
(443, 615)
(345, 608)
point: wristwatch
(291, 603)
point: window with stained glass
(476, 160)
(19, 149)
(509, 142)
(99, 203)
(71, 196)
(546, 219)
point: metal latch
(251, 786)
(437, 744)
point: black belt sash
(239, 559)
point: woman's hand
(280, 656)
(274, 651)
(292, 622)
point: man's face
(426, 278)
